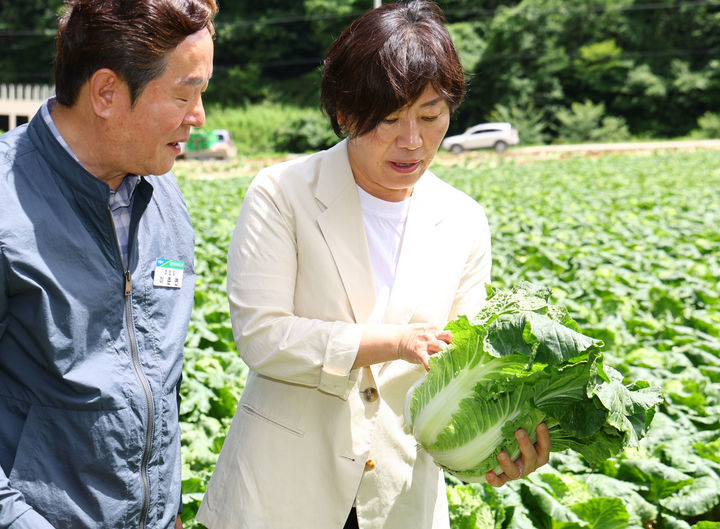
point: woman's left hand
(532, 457)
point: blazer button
(370, 394)
(369, 465)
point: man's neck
(81, 131)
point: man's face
(146, 136)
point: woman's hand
(413, 343)
(419, 341)
(532, 457)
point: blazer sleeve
(271, 338)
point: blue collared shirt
(120, 202)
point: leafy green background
(587, 70)
(629, 243)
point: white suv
(496, 136)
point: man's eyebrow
(193, 80)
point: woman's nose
(409, 135)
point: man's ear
(107, 92)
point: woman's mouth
(405, 167)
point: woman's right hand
(420, 341)
(413, 343)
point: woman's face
(389, 160)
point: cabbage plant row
(629, 243)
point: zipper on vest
(141, 377)
(148, 398)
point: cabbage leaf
(522, 361)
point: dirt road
(622, 147)
(587, 149)
(243, 166)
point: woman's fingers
(435, 346)
(421, 341)
(445, 336)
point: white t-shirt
(384, 228)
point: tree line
(580, 70)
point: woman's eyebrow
(432, 102)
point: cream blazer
(310, 435)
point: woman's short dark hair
(131, 37)
(384, 60)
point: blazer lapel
(344, 231)
(417, 254)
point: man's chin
(162, 167)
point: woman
(343, 269)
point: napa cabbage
(522, 361)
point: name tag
(169, 273)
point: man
(96, 270)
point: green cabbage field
(629, 243)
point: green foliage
(599, 55)
(644, 85)
(255, 129)
(275, 37)
(612, 128)
(27, 40)
(309, 132)
(708, 126)
(647, 64)
(270, 128)
(329, 17)
(529, 122)
(468, 43)
(474, 507)
(600, 69)
(236, 86)
(685, 81)
(585, 122)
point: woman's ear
(343, 123)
